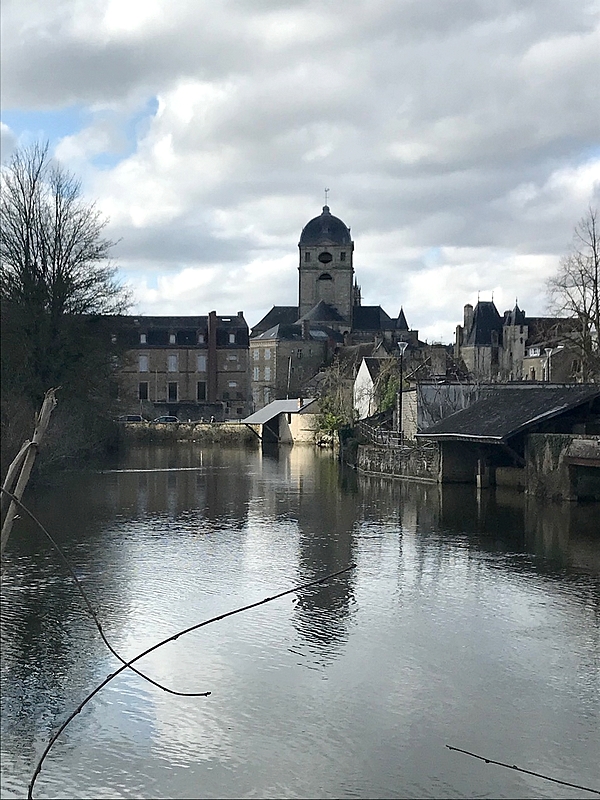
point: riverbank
(226, 433)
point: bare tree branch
(574, 292)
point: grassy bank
(227, 433)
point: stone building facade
(291, 343)
(515, 347)
(190, 367)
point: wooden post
(27, 456)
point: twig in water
(88, 603)
(527, 771)
(154, 647)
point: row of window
(256, 374)
(267, 353)
(173, 391)
(173, 362)
(200, 339)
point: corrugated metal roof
(277, 407)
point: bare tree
(58, 292)
(52, 250)
(575, 293)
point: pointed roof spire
(401, 323)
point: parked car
(130, 418)
(165, 418)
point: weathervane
(326, 193)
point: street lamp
(402, 347)
(548, 351)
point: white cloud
(8, 142)
(467, 128)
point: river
(470, 620)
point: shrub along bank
(228, 433)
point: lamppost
(548, 351)
(402, 347)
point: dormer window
(172, 338)
(142, 338)
(200, 338)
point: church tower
(326, 271)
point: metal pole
(548, 351)
(400, 400)
(402, 347)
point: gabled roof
(356, 352)
(374, 365)
(280, 332)
(371, 318)
(322, 312)
(285, 315)
(277, 407)
(293, 333)
(506, 410)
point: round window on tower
(325, 258)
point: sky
(459, 141)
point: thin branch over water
(129, 664)
(526, 771)
(172, 638)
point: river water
(468, 620)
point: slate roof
(506, 410)
(294, 333)
(285, 315)
(514, 317)
(325, 229)
(485, 320)
(322, 312)
(374, 365)
(277, 407)
(144, 322)
(371, 318)
(401, 323)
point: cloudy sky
(460, 141)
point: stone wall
(550, 473)
(411, 461)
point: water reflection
(567, 534)
(471, 618)
(326, 522)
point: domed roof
(325, 229)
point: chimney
(212, 358)
(300, 403)
(468, 317)
(305, 330)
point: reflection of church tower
(326, 269)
